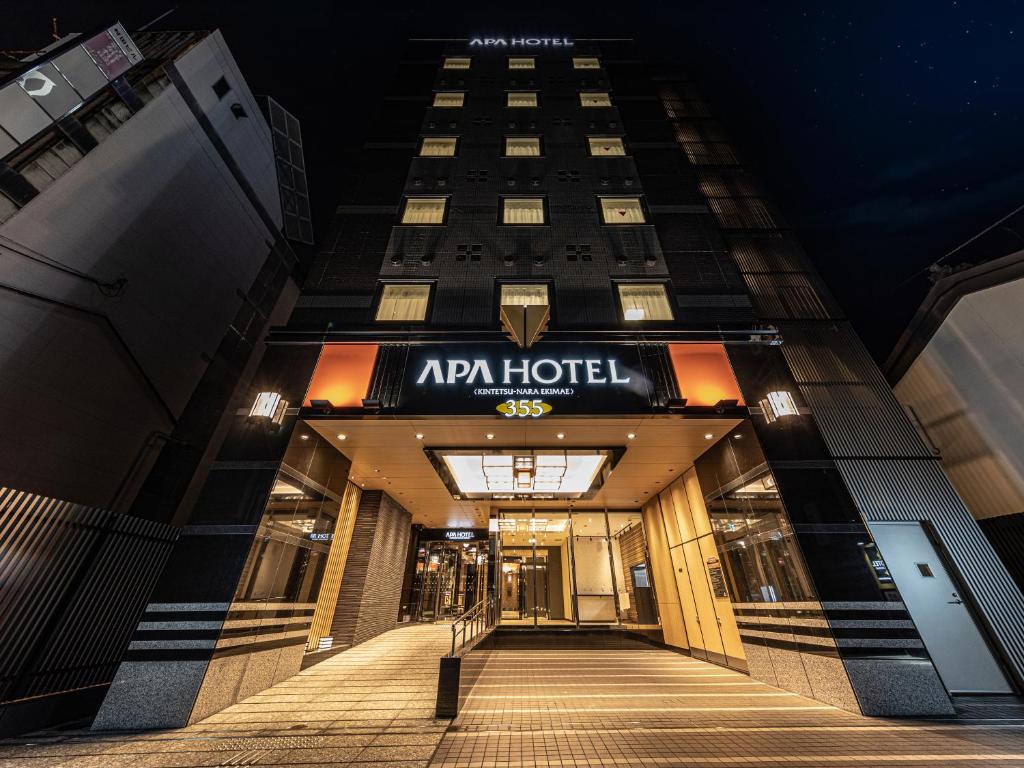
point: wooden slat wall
(330, 587)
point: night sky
(887, 132)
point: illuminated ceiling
(387, 455)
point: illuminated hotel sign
(548, 378)
(520, 42)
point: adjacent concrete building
(143, 256)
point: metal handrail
(478, 617)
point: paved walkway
(656, 708)
(373, 706)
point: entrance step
(571, 638)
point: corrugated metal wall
(73, 581)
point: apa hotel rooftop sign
(520, 42)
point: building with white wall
(959, 368)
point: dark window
(221, 88)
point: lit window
(403, 302)
(522, 210)
(605, 147)
(438, 146)
(424, 210)
(522, 146)
(449, 99)
(644, 301)
(521, 99)
(522, 295)
(456, 62)
(595, 99)
(622, 210)
(585, 62)
(521, 62)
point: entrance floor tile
(656, 708)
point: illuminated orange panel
(343, 374)
(704, 374)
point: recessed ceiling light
(737, 437)
(304, 437)
(342, 437)
(631, 435)
(490, 435)
(419, 435)
(708, 436)
(376, 470)
(560, 435)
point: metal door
(957, 647)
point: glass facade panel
(424, 210)
(522, 146)
(524, 294)
(438, 146)
(622, 210)
(449, 99)
(521, 99)
(606, 147)
(522, 210)
(644, 302)
(598, 99)
(403, 302)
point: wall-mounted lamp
(322, 405)
(775, 405)
(268, 408)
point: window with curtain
(438, 146)
(522, 210)
(456, 62)
(403, 302)
(522, 146)
(449, 99)
(644, 301)
(595, 99)
(522, 294)
(606, 146)
(521, 99)
(585, 62)
(521, 62)
(622, 210)
(424, 210)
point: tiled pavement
(373, 706)
(655, 708)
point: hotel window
(522, 210)
(522, 62)
(522, 146)
(585, 62)
(595, 99)
(456, 62)
(438, 146)
(424, 210)
(403, 302)
(449, 99)
(522, 294)
(605, 146)
(521, 99)
(644, 301)
(622, 210)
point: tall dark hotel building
(559, 353)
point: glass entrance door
(453, 579)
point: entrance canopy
(392, 455)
